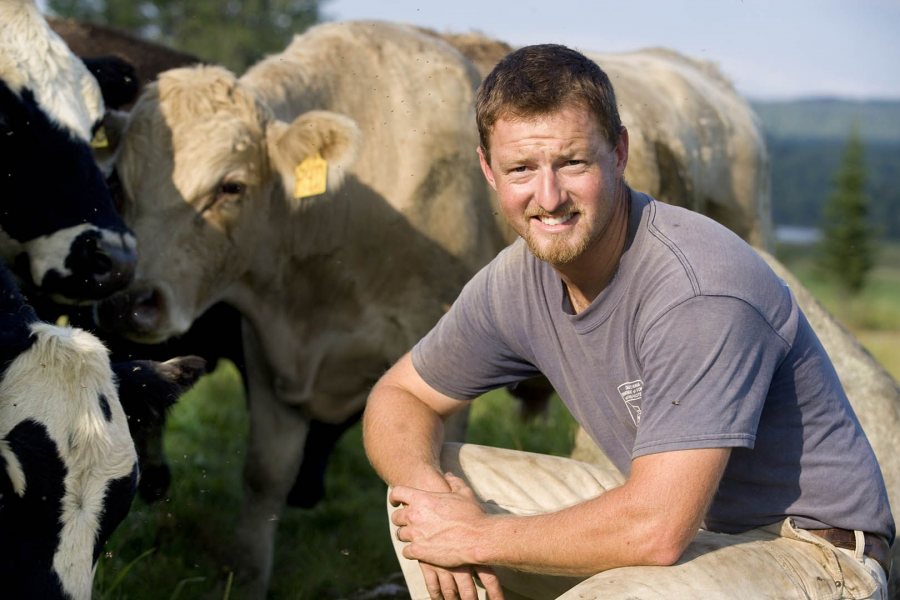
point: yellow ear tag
(100, 140)
(311, 175)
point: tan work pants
(778, 561)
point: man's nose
(550, 195)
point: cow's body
(58, 225)
(89, 40)
(321, 323)
(335, 289)
(69, 468)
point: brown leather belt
(876, 548)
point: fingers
(458, 485)
(490, 582)
(400, 495)
(449, 584)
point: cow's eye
(231, 188)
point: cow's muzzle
(98, 265)
(136, 313)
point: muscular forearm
(649, 520)
(607, 532)
(402, 438)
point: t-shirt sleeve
(466, 353)
(707, 366)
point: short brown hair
(537, 80)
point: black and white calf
(58, 226)
(68, 466)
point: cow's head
(68, 468)
(208, 176)
(147, 389)
(58, 224)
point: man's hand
(458, 582)
(440, 530)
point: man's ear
(486, 169)
(622, 151)
(313, 153)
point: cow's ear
(106, 139)
(313, 153)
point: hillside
(830, 118)
(806, 138)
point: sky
(770, 49)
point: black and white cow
(58, 226)
(68, 467)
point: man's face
(557, 179)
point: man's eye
(519, 169)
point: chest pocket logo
(631, 393)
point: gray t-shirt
(695, 343)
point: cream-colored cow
(221, 177)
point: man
(671, 342)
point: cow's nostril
(96, 262)
(146, 307)
(100, 263)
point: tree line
(233, 33)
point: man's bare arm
(403, 428)
(649, 520)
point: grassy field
(179, 548)
(874, 315)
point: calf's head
(208, 176)
(58, 224)
(147, 389)
(68, 468)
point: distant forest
(806, 139)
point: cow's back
(694, 141)
(412, 96)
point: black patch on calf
(117, 78)
(30, 525)
(104, 406)
(147, 389)
(16, 318)
(116, 504)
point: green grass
(179, 548)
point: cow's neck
(33, 57)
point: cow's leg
(309, 486)
(277, 435)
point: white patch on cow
(48, 252)
(32, 56)
(57, 382)
(13, 469)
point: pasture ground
(179, 547)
